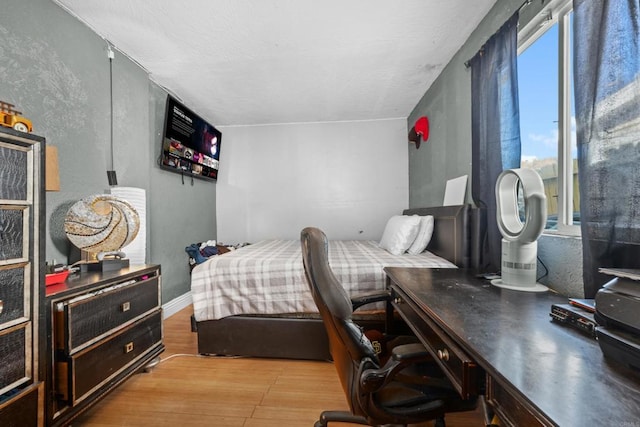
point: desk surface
(78, 281)
(558, 370)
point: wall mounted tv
(190, 145)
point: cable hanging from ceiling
(111, 173)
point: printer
(618, 316)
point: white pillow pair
(404, 233)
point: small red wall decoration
(419, 131)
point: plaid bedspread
(268, 277)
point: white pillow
(399, 233)
(424, 235)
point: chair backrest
(348, 345)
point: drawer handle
(128, 347)
(125, 306)
(443, 355)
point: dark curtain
(607, 96)
(495, 127)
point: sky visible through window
(538, 94)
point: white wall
(347, 178)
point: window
(547, 122)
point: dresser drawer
(14, 243)
(14, 172)
(25, 409)
(86, 319)
(466, 376)
(15, 357)
(14, 304)
(95, 366)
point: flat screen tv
(190, 145)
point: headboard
(458, 232)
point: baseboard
(176, 304)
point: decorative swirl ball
(101, 223)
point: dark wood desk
(502, 343)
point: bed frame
(457, 236)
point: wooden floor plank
(186, 390)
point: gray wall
(447, 153)
(56, 71)
(180, 214)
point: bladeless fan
(519, 240)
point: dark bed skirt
(276, 337)
(270, 337)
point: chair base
(347, 417)
(339, 416)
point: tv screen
(190, 145)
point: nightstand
(103, 327)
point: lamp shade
(52, 173)
(136, 250)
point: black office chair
(409, 388)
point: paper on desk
(629, 273)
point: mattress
(268, 277)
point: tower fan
(520, 239)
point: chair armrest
(364, 299)
(402, 356)
(410, 353)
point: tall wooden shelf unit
(22, 343)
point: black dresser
(104, 327)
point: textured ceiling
(247, 62)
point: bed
(255, 301)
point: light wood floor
(189, 390)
